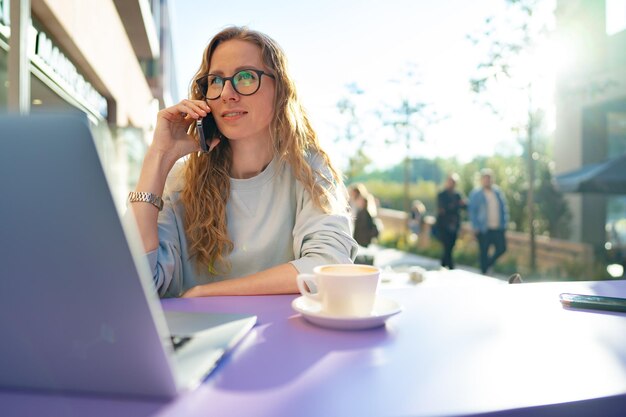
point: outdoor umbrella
(608, 177)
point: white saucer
(311, 311)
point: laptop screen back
(73, 298)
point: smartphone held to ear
(207, 131)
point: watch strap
(144, 197)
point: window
(615, 16)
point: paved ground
(397, 260)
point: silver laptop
(78, 309)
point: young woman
(263, 205)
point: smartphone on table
(207, 131)
(593, 302)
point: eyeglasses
(245, 82)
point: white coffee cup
(342, 289)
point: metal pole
(531, 186)
(407, 177)
(18, 65)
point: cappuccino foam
(348, 270)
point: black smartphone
(207, 130)
(594, 302)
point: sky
(333, 43)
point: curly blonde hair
(207, 182)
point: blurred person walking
(416, 219)
(364, 214)
(489, 216)
(449, 205)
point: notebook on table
(78, 311)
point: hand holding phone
(594, 302)
(207, 131)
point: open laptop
(78, 309)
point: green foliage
(357, 164)
(552, 215)
(391, 194)
(555, 214)
(420, 169)
(408, 118)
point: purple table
(462, 346)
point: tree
(352, 132)
(409, 118)
(555, 213)
(511, 67)
(422, 169)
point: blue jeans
(490, 238)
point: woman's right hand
(170, 134)
(170, 143)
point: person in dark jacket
(449, 205)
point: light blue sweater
(478, 209)
(271, 220)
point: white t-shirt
(493, 209)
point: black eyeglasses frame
(203, 86)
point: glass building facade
(591, 111)
(92, 56)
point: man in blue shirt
(489, 217)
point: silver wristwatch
(143, 197)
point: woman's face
(242, 117)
